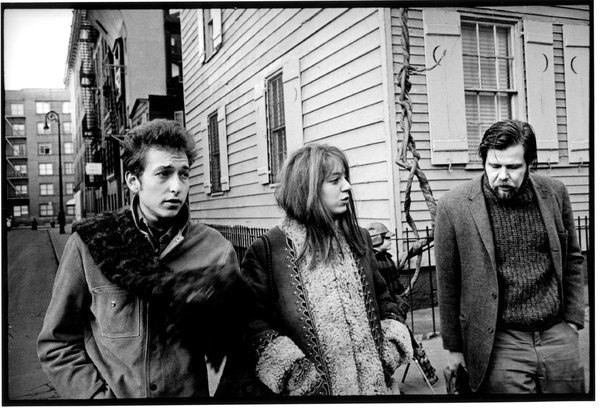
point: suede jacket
(105, 340)
(467, 274)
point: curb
(55, 245)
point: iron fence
(422, 293)
(240, 236)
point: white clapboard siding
(441, 179)
(340, 60)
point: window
(69, 188)
(21, 169)
(17, 109)
(42, 107)
(67, 127)
(41, 130)
(68, 167)
(45, 169)
(70, 209)
(279, 124)
(21, 189)
(18, 129)
(20, 210)
(66, 107)
(46, 189)
(275, 125)
(488, 68)
(209, 32)
(46, 210)
(68, 147)
(214, 153)
(19, 149)
(44, 149)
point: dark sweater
(529, 298)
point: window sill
(217, 194)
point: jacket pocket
(117, 312)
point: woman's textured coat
(321, 325)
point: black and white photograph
(297, 203)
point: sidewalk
(422, 325)
(59, 240)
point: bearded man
(510, 273)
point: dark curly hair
(166, 134)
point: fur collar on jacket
(126, 257)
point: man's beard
(505, 195)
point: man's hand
(456, 358)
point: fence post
(430, 283)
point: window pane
(69, 168)
(276, 125)
(42, 107)
(504, 106)
(487, 109)
(471, 71)
(67, 127)
(68, 147)
(40, 128)
(44, 149)
(504, 76)
(17, 109)
(488, 72)
(18, 129)
(469, 38)
(215, 153)
(503, 40)
(66, 107)
(487, 47)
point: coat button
(494, 295)
(153, 387)
(490, 329)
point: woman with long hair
(324, 322)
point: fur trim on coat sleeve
(397, 345)
(283, 364)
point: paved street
(31, 269)
(30, 275)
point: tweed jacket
(101, 340)
(467, 273)
(284, 323)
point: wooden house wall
(342, 94)
(441, 178)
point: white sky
(36, 43)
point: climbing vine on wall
(410, 162)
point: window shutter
(445, 87)
(205, 154)
(224, 155)
(294, 128)
(541, 95)
(577, 90)
(262, 155)
(202, 53)
(217, 37)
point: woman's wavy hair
(299, 195)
